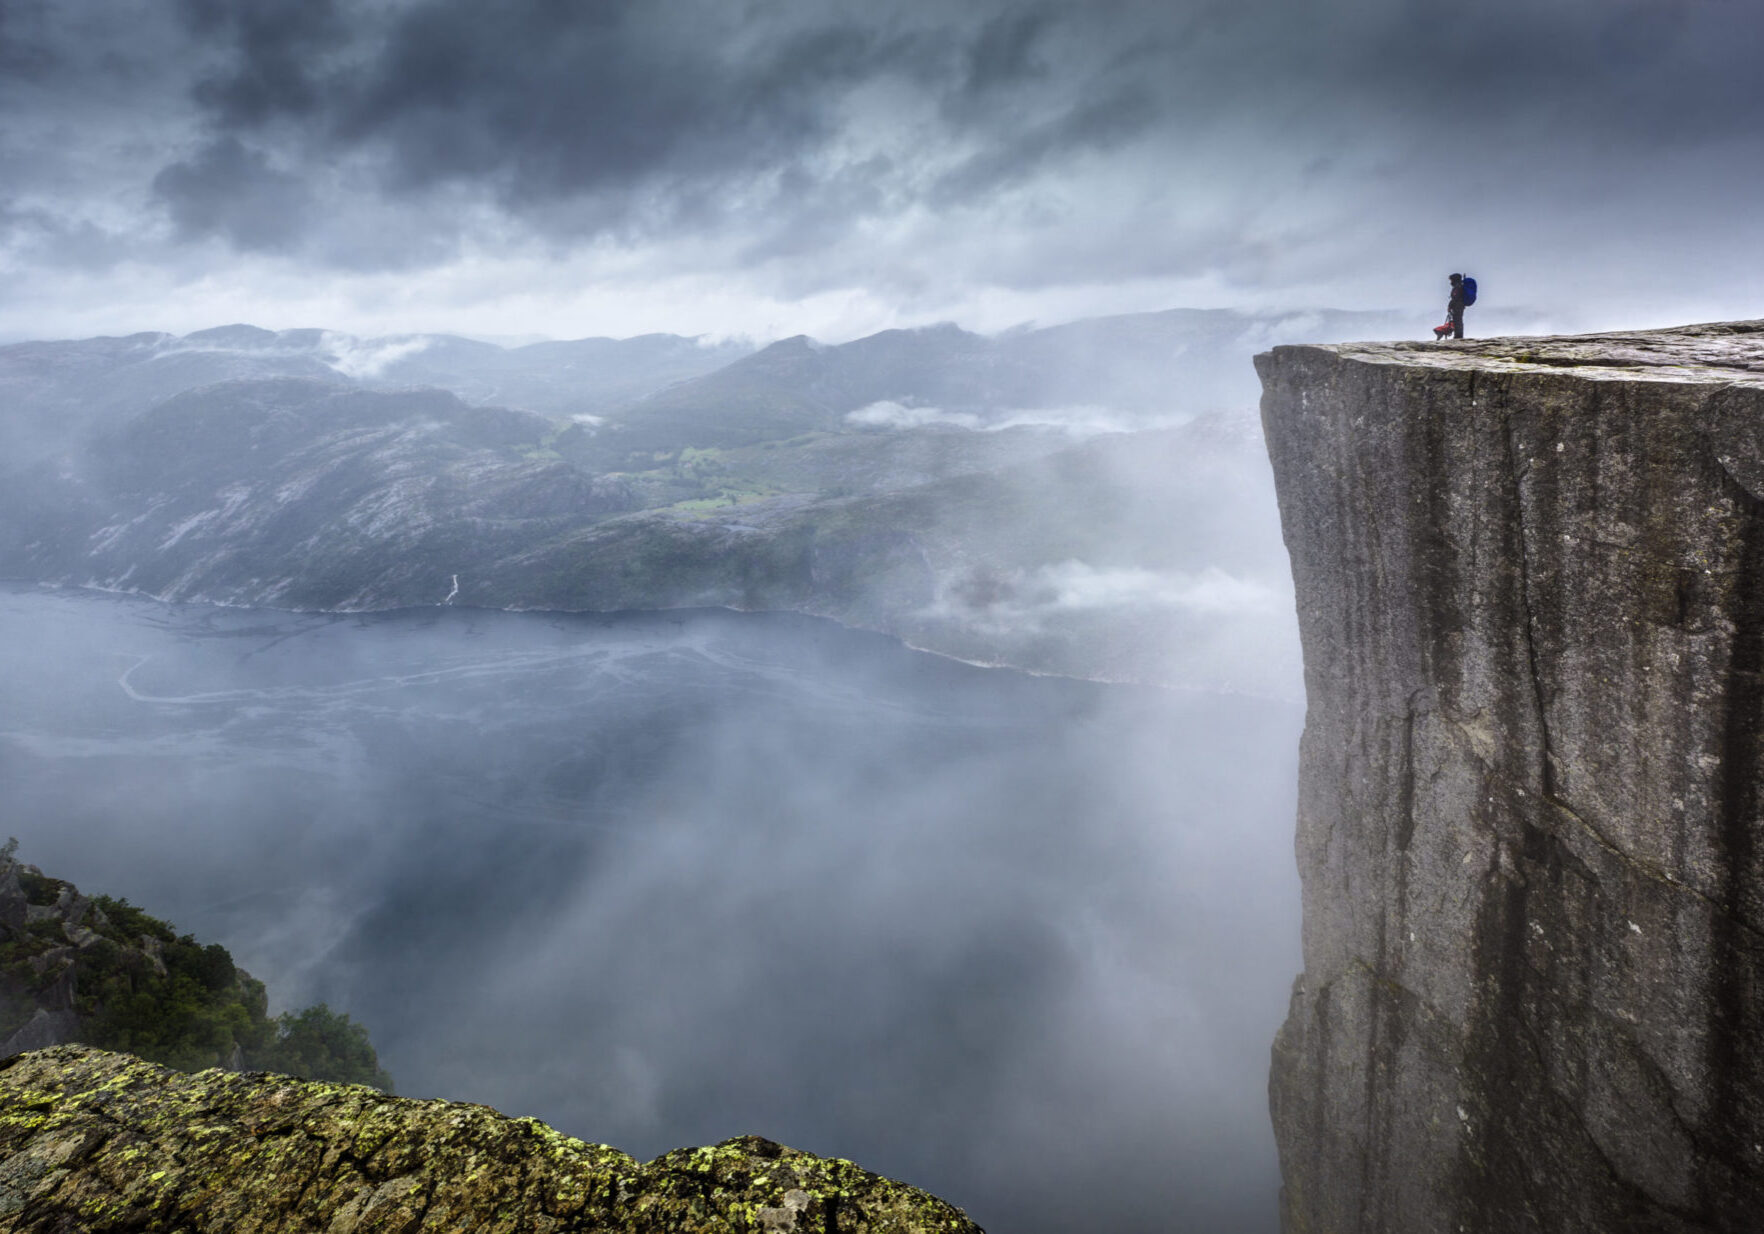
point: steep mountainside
(101, 971)
(1530, 579)
(104, 1143)
(298, 493)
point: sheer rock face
(98, 1142)
(1530, 579)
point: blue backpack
(1469, 291)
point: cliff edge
(1530, 581)
(98, 1142)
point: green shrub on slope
(319, 1044)
(134, 984)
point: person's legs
(1458, 324)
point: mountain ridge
(291, 484)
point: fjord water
(666, 878)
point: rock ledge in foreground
(96, 1142)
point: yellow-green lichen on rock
(96, 1142)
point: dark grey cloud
(617, 116)
(538, 99)
(69, 244)
(617, 103)
(25, 50)
(280, 45)
(1645, 71)
(1009, 49)
(230, 190)
(631, 108)
(911, 151)
(1092, 127)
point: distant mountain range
(53, 393)
(1054, 498)
(1179, 361)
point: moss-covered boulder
(96, 1142)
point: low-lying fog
(666, 879)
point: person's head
(1457, 278)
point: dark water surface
(664, 879)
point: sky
(758, 169)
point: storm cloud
(840, 167)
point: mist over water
(663, 879)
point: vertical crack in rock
(1530, 587)
(1528, 614)
(1734, 1053)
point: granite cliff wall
(1530, 579)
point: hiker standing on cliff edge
(1462, 294)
